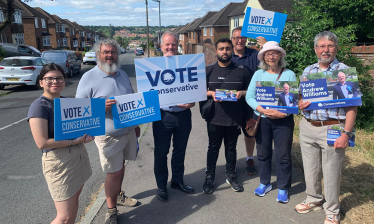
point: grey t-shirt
(42, 107)
(97, 84)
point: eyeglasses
(273, 55)
(60, 79)
(109, 52)
(239, 38)
(331, 46)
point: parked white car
(89, 57)
(23, 70)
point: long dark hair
(51, 67)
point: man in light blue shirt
(117, 145)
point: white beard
(107, 68)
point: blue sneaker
(282, 196)
(263, 189)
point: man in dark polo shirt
(227, 117)
(248, 58)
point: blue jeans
(281, 131)
(177, 125)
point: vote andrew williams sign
(263, 23)
(278, 95)
(331, 89)
(76, 117)
(178, 79)
(135, 109)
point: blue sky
(130, 12)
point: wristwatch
(350, 134)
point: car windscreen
(54, 57)
(34, 49)
(17, 62)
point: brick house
(217, 26)
(62, 29)
(182, 40)
(81, 36)
(195, 32)
(13, 33)
(236, 17)
(71, 31)
(184, 37)
(35, 27)
(53, 28)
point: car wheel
(2, 87)
(71, 73)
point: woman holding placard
(66, 166)
(274, 125)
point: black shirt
(228, 113)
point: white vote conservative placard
(263, 23)
(76, 117)
(178, 79)
(135, 109)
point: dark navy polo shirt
(248, 60)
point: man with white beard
(117, 145)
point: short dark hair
(51, 67)
(224, 40)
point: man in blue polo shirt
(248, 58)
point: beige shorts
(66, 170)
(113, 150)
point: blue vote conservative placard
(75, 117)
(135, 109)
(263, 23)
(178, 79)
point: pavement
(223, 206)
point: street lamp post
(146, 6)
(159, 18)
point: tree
(298, 38)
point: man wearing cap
(319, 158)
(248, 58)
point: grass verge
(357, 184)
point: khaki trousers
(321, 159)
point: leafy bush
(297, 40)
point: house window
(82, 34)
(75, 43)
(204, 31)
(236, 22)
(65, 41)
(89, 35)
(36, 23)
(43, 23)
(18, 38)
(58, 43)
(2, 18)
(56, 27)
(73, 32)
(46, 41)
(211, 31)
(3, 38)
(62, 28)
(18, 17)
(83, 43)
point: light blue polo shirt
(97, 84)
